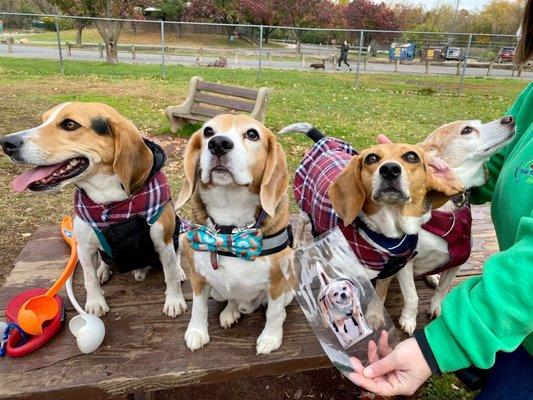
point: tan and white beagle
(236, 176)
(465, 146)
(95, 148)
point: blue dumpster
(399, 51)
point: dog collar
(247, 243)
(392, 245)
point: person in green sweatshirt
(487, 321)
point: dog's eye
(69, 125)
(411, 157)
(466, 130)
(335, 294)
(344, 288)
(208, 132)
(371, 158)
(251, 134)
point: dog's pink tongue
(22, 181)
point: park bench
(144, 350)
(206, 100)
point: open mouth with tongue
(46, 177)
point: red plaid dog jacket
(456, 228)
(318, 169)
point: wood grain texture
(224, 102)
(227, 90)
(144, 350)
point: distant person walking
(344, 55)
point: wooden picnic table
(144, 350)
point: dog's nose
(220, 145)
(390, 171)
(343, 296)
(10, 144)
(507, 120)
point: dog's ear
(275, 180)
(443, 183)
(191, 166)
(346, 192)
(324, 310)
(133, 159)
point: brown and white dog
(234, 169)
(95, 148)
(383, 195)
(465, 146)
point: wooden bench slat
(207, 111)
(232, 104)
(227, 90)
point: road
(248, 61)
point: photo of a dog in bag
(341, 309)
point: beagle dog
(445, 241)
(236, 180)
(121, 197)
(379, 198)
(341, 310)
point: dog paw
(267, 343)
(375, 318)
(181, 274)
(196, 338)
(433, 280)
(103, 273)
(140, 274)
(174, 306)
(434, 308)
(97, 306)
(408, 324)
(229, 316)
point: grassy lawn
(405, 107)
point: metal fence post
(163, 69)
(61, 66)
(464, 64)
(359, 59)
(260, 52)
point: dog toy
(39, 309)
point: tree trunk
(79, 31)
(110, 32)
(266, 34)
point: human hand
(392, 372)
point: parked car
(506, 54)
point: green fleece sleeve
(489, 313)
(483, 194)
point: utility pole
(456, 14)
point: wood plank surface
(144, 350)
(227, 90)
(225, 102)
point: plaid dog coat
(123, 227)
(318, 169)
(456, 228)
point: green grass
(406, 107)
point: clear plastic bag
(334, 293)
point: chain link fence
(426, 62)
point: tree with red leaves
(365, 14)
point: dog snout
(343, 295)
(220, 145)
(11, 144)
(390, 171)
(508, 120)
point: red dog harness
(456, 228)
(319, 168)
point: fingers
(382, 387)
(383, 344)
(381, 367)
(382, 139)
